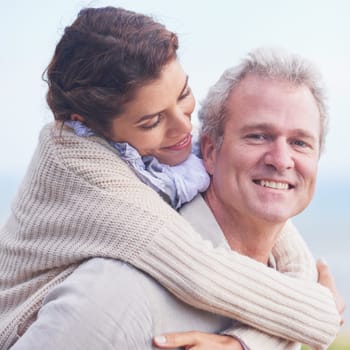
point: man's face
(266, 166)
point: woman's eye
(151, 123)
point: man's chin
(276, 216)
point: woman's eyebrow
(150, 116)
(185, 86)
(147, 117)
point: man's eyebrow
(304, 134)
(257, 126)
(150, 116)
(269, 127)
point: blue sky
(213, 36)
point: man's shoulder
(90, 279)
(102, 304)
(108, 295)
(200, 216)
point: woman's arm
(292, 255)
(238, 287)
(252, 338)
(81, 191)
(147, 233)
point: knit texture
(79, 200)
(255, 340)
(177, 184)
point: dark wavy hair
(101, 59)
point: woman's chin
(175, 157)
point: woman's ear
(77, 117)
(208, 150)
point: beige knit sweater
(79, 200)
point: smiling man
(265, 165)
(263, 129)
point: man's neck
(245, 234)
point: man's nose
(179, 123)
(279, 155)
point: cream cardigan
(79, 200)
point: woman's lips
(181, 144)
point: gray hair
(267, 63)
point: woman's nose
(179, 123)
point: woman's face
(157, 121)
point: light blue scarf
(177, 184)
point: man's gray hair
(270, 63)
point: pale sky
(213, 36)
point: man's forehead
(271, 101)
(255, 90)
(252, 82)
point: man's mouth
(274, 184)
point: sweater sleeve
(164, 245)
(92, 199)
(241, 288)
(256, 340)
(292, 257)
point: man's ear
(76, 117)
(208, 151)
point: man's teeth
(276, 185)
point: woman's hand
(197, 341)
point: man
(263, 130)
(262, 134)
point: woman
(114, 74)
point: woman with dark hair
(122, 106)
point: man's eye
(300, 143)
(257, 137)
(151, 123)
